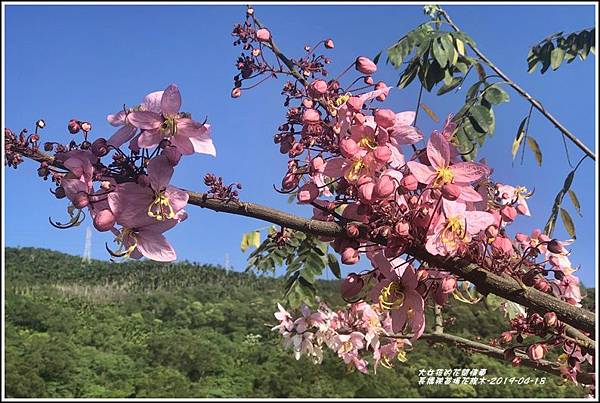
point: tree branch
(536, 104)
(485, 281)
(495, 352)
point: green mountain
(144, 329)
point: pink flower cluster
(353, 334)
(130, 195)
(360, 164)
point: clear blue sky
(84, 62)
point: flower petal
(121, 136)
(422, 172)
(170, 101)
(438, 151)
(145, 120)
(155, 246)
(160, 172)
(467, 172)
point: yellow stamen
(444, 176)
(367, 142)
(391, 297)
(120, 239)
(454, 232)
(169, 127)
(354, 172)
(161, 208)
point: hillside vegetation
(186, 330)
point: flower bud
(307, 193)
(236, 92)
(329, 44)
(365, 193)
(59, 193)
(256, 52)
(368, 80)
(352, 230)
(365, 65)
(40, 123)
(352, 286)
(448, 285)
(508, 213)
(348, 148)
(450, 191)
(350, 256)
(73, 126)
(382, 153)
(80, 200)
(536, 352)
(506, 337)
(385, 118)
(308, 103)
(104, 220)
(289, 182)
(311, 116)
(385, 187)
(555, 246)
(409, 182)
(402, 228)
(317, 164)
(263, 35)
(541, 284)
(99, 147)
(86, 126)
(354, 104)
(520, 237)
(516, 361)
(550, 319)
(317, 88)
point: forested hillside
(186, 330)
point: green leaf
(536, 149)
(482, 116)
(495, 95)
(456, 81)
(334, 265)
(439, 53)
(377, 56)
(567, 222)
(519, 137)
(556, 57)
(575, 201)
(409, 74)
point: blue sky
(85, 62)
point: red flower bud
(385, 187)
(99, 147)
(329, 44)
(104, 220)
(317, 88)
(307, 193)
(409, 182)
(385, 118)
(263, 35)
(365, 193)
(236, 92)
(550, 319)
(74, 126)
(450, 191)
(354, 104)
(536, 352)
(350, 256)
(348, 148)
(506, 337)
(382, 153)
(311, 116)
(365, 65)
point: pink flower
(402, 132)
(441, 172)
(263, 35)
(285, 319)
(456, 228)
(396, 292)
(186, 134)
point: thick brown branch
(485, 281)
(536, 104)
